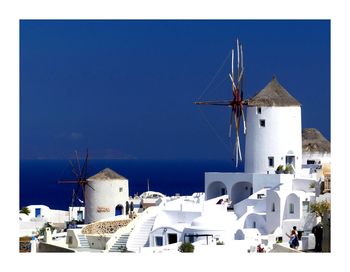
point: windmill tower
(273, 135)
(272, 126)
(106, 197)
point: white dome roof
(211, 222)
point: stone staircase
(83, 241)
(120, 244)
(139, 236)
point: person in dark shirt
(318, 232)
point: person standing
(318, 232)
(293, 239)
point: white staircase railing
(140, 234)
(124, 230)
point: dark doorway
(172, 238)
(80, 216)
(290, 160)
(119, 210)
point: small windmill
(236, 103)
(80, 174)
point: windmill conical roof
(273, 95)
(107, 174)
(314, 141)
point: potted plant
(279, 169)
(288, 169)
(186, 247)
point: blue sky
(124, 89)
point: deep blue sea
(39, 178)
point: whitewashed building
(240, 210)
(316, 148)
(105, 196)
(273, 130)
(263, 200)
(38, 216)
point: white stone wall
(45, 211)
(257, 221)
(273, 218)
(281, 136)
(319, 158)
(59, 216)
(101, 202)
(167, 218)
(261, 181)
(293, 199)
(303, 185)
(215, 182)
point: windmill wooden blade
(76, 174)
(67, 181)
(84, 169)
(243, 119)
(240, 77)
(78, 164)
(81, 175)
(87, 184)
(230, 128)
(232, 65)
(238, 59)
(233, 84)
(239, 147)
(83, 190)
(236, 103)
(214, 102)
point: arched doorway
(292, 207)
(240, 191)
(118, 210)
(215, 189)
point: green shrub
(320, 208)
(186, 247)
(279, 169)
(288, 169)
(25, 210)
(312, 185)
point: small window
(258, 110)
(159, 240)
(291, 208)
(254, 225)
(273, 207)
(120, 189)
(306, 207)
(37, 212)
(271, 161)
(262, 122)
(310, 162)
